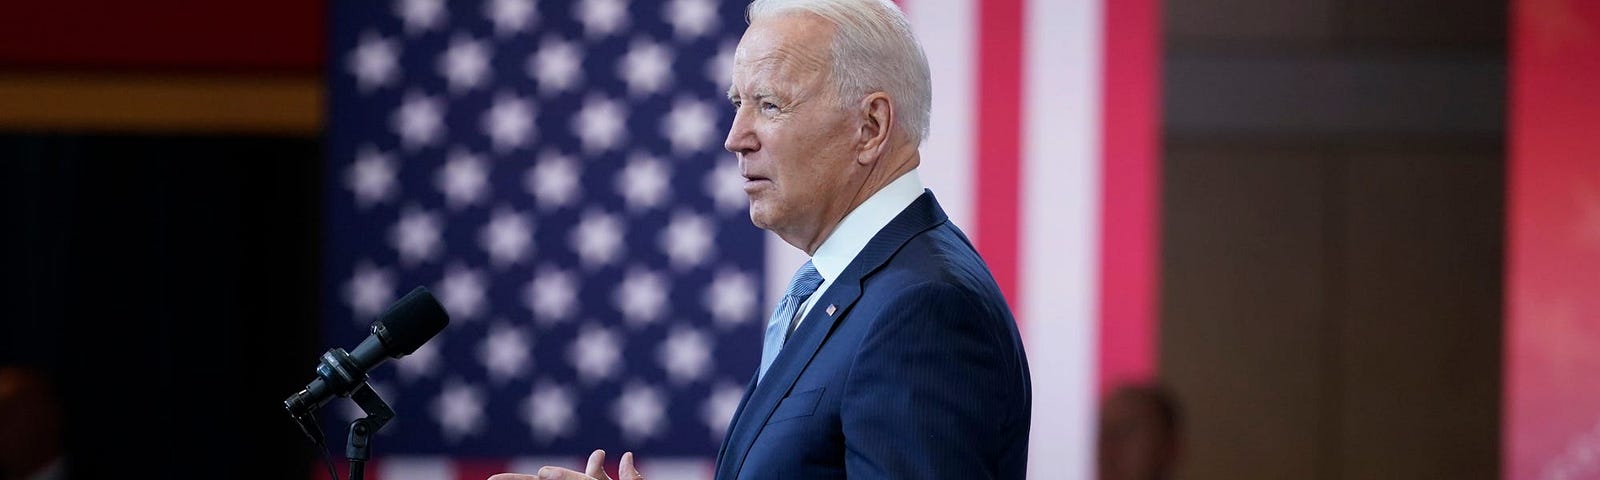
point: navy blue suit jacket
(908, 367)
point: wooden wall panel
(1332, 312)
(1240, 337)
(1331, 246)
(1420, 319)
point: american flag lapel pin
(831, 309)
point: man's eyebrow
(732, 94)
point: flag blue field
(554, 172)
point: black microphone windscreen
(411, 321)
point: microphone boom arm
(359, 448)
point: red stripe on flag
(479, 469)
(999, 140)
(341, 468)
(1129, 192)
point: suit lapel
(922, 214)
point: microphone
(405, 326)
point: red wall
(1552, 396)
(279, 35)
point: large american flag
(553, 171)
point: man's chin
(759, 216)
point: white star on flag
(555, 66)
(372, 177)
(641, 297)
(549, 411)
(691, 18)
(594, 354)
(375, 63)
(597, 239)
(690, 126)
(420, 15)
(419, 121)
(644, 182)
(509, 16)
(416, 237)
(601, 18)
(599, 124)
(639, 411)
(553, 180)
(463, 179)
(731, 298)
(504, 352)
(687, 239)
(551, 295)
(685, 355)
(509, 123)
(646, 67)
(459, 410)
(508, 237)
(461, 291)
(465, 64)
(369, 291)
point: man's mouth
(755, 181)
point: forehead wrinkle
(790, 48)
(788, 69)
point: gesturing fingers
(597, 465)
(594, 470)
(627, 470)
(558, 473)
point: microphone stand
(359, 449)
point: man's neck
(884, 172)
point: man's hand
(595, 471)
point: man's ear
(877, 123)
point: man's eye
(736, 104)
(769, 107)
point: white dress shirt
(858, 228)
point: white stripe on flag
(947, 31)
(1060, 229)
(414, 468)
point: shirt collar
(863, 223)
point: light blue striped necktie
(804, 283)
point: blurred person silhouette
(30, 426)
(1140, 434)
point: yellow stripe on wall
(161, 103)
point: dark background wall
(167, 286)
(160, 170)
(1333, 183)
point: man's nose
(741, 138)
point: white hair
(873, 50)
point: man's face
(792, 138)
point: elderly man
(893, 354)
